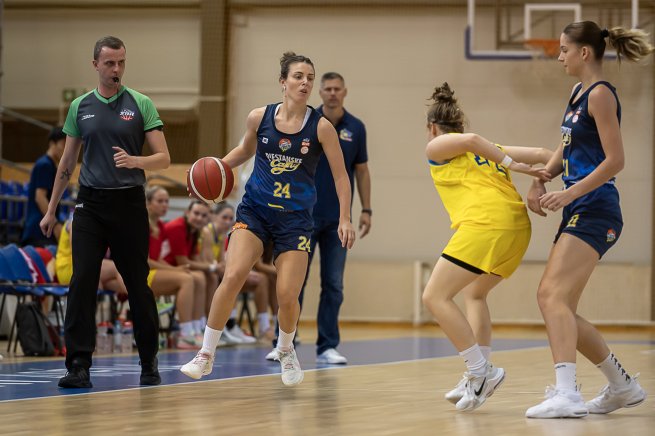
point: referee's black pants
(116, 219)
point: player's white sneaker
(608, 399)
(458, 392)
(478, 389)
(559, 403)
(291, 372)
(272, 355)
(201, 365)
(332, 357)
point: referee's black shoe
(76, 377)
(150, 373)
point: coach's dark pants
(116, 219)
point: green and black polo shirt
(120, 121)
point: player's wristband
(213, 267)
(507, 161)
(368, 211)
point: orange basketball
(210, 179)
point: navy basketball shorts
(288, 230)
(598, 228)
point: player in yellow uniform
(472, 176)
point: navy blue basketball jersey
(285, 164)
(582, 151)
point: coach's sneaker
(458, 392)
(201, 365)
(478, 389)
(291, 372)
(608, 400)
(559, 403)
(331, 357)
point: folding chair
(245, 310)
(20, 282)
(57, 292)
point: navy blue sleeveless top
(285, 164)
(582, 151)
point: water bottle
(127, 337)
(118, 337)
(103, 340)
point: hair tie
(604, 33)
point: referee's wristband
(507, 161)
(368, 211)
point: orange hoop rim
(549, 47)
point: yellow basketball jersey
(478, 192)
(217, 243)
(64, 257)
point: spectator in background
(42, 179)
(184, 234)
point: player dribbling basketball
(287, 139)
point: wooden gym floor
(394, 384)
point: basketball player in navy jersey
(287, 140)
(589, 157)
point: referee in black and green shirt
(113, 121)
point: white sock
(616, 375)
(210, 340)
(475, 361)
(263, 321)
(203, 323)
(198, 325)
(233, 314)
(486, 352)
(285, 340)
(565, 376)
(186, 328)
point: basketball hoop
(548, 48)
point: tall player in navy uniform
(113, 121)
(287, 140)
(589, 157)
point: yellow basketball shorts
(493, 251)
(151, 277)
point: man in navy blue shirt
(42, 178)
(352, 137)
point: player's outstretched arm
(445, 147)
(529, 155)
